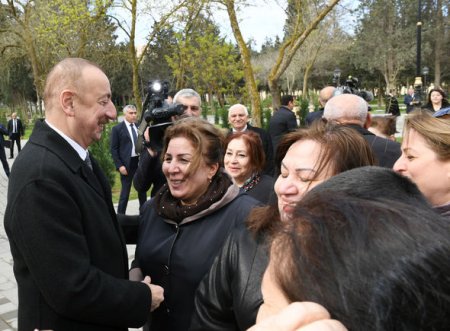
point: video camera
(351, 87)
(157, 115)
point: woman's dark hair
(375, 261)
(206, 139)
(255, 148)
(342, 148)
(445, 102)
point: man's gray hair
(238, 105)
(345, 108)
(127, 107)
(187, 93)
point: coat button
(166, 269)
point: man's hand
(123, 171)
(147, 139)
(300, 316)
(157, 293)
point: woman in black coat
(185, 225)
(229, 297)
(244, 161)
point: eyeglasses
(193, 108)
(442, 112)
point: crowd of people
(324, 227)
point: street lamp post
(425, 72)
(418, 79)
(337, 76)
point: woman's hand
(300, 316)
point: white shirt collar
(77, 147)
(244, 129)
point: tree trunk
(134, 60)
(305, 81)
(288, 50)
(246, 63)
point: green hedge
(101, 152)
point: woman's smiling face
(299, 175)
(186, 186)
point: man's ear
(66, 99)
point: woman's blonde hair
(435, 131)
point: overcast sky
(264, 19)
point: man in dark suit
(5, 164)
(70, 258)
(352, 110)
(325, 94)
(409, 100)
(238, 119)
(123, 141)
(15, 130)
(282, 121)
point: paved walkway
(8, 285)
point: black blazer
(70, 258)
(386, 151)
(121, 145)
(19, 127)
(311, 117)
(282, 122)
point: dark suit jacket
(70, 259)
(315, 115)
(386, 151)
(267, 146)
(282, 122)
(121, 145)
(19, 127)
(407, 100)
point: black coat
(386, 151)
(282, 121)
(70, 259)
(311, 117)
(149, 173)
(178, 256)
(228, 298)
(263, 191)
(121, 145)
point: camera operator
(149, 171)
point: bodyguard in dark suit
(5, 164)
(70, 258)
(15, 131)
(123, 140)
(352, 110)
(238, 119)
(282, 121)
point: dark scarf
(251, 182)
(171, 208)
